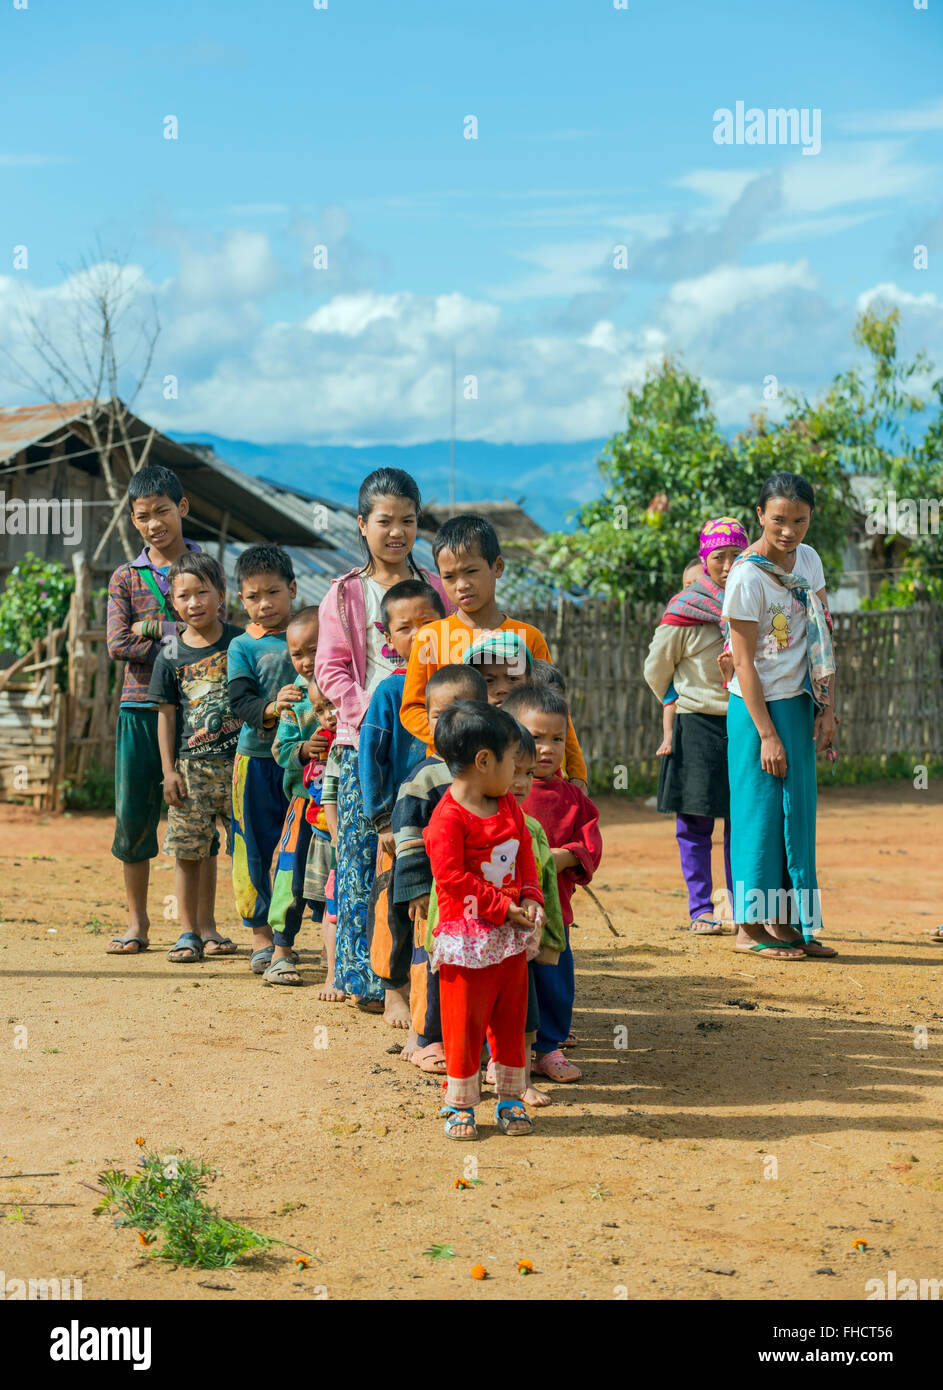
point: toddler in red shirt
(490, 915)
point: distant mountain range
(548, 480)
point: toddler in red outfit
(490, 915)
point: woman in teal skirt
(781, 712)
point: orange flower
(301, 1262)
(859, 1245)
(525, 1266)
(479, 1272)
(145, 1239)
(140, 1143)
(460, 1184)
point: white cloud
(911, 120)
(722, 187)
(693, 305)
(365, 367)
(242, 266)
(889, 293)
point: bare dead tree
(87, 364)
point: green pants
(139, 786)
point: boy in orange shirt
(468, 557)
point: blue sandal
(505, 1120)
(188, 941)
(457, 1115)
(260, 960)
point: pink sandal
(556, 1066)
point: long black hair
(790, 486)
(387, 482)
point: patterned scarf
(818, 635)
(700, 602)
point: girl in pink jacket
(352, 659)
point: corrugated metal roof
(23, 425)
(287, 514)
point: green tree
(671, 469)
(36, 594)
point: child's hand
(528, 915)
(313, 750)
(286, 697)
(663, 748)
(175, 791)
(386, 842)
(319, 743)
(564, 859)
(137, 629)
(534, 911)
(579, 782)
(419, 907)
(725, 662)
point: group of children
(399, 762)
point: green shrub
(96, 791)
(37, 593)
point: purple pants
(694, 841)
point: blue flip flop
(188, 941)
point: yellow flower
(860, 1245)
(525, 1266)
(301, 1262)
(459, 1184)
(145, 1239)
(140, 1143)
(479, 1272)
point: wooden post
(79, 672)
(223, 529)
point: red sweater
(480, 866)
(571, 821)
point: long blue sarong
(356, 865)
(772, 819)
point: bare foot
(410, 1046)
(396, 1007)
(534, 1097)
(331, 995)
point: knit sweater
(416, 800)
(295, 727)
(688, 656)
(571, 822)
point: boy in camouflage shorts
(197, 733)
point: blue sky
(344, 128)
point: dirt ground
(710, 1151)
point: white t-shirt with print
(781, 645)
(379, 665)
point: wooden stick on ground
(587, 889)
